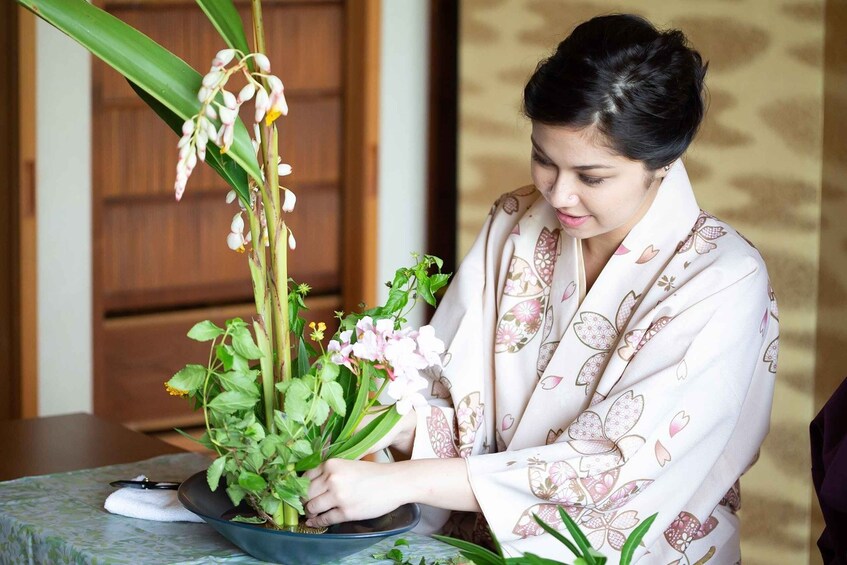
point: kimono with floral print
(650, 393)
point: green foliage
(580, 546)
(224, 16)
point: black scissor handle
(146, 484)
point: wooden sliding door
(160, 266)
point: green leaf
(242, 342)
(251, 481)
(297, 401)
(301, 448)
(577, 535)
(157, 71)
(438, 281)
(231, 401)
(362, 440)
(635, 538)
(308, 463)
(334, 395)
(557, 534)
(249, 519)
(224, 16)
(247, 383)
(189, 378)
(479, 555)
(425, 292)
(213, 473)
(269, 444)
(400, 542)
(320, 411)
(236, 494)
(329, 370)
(302, 359)
(204, 331)
(359, 404)
(224, 353)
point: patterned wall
(757, 164)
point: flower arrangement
(278, 398)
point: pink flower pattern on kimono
(440, 436)
(702, 236)
(469, 418)
(732, 498)
(686, 528)
(605, 445)
(636, 339)
(591, 501)
(597, 332)
(521, 322)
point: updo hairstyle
(642, 88)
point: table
(59, 517)
(65, 443)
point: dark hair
(642, 88)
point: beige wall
(758, 163)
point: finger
(312, 474)
(317, 487)
(334, 516)
(319, 505)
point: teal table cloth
(59, 519)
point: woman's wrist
(404, 441)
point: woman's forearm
(437, 482)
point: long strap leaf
(224, 16)
(362, 441)
(635, 538)
(479, 555)
(558, 535)
(578, 536)
(359, 404)
(157, 71)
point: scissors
(146, 484)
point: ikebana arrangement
(278, 396)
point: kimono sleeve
(683, 423)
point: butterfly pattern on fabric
(702, 237)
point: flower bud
(262, 62)
(188, 127)
(261, 104)
(227, 116)
(283, 169)
(224, 56)
(230, 197)
(275, 84)
(212, 79)
(246, 93)
(229, 100)
(292, 243)
(235, 241)
(289, 201)
(210, 112)
(203, 94)
(237, 225)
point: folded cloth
(149, 504)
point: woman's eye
(540, 160)
(591, 181)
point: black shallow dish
(290, 548)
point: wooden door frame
(9, 197)
(442, 166)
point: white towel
(149, 504)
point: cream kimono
(652, 393)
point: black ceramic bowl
(290, 548)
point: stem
(279, 260)
(291, 517)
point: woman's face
(596, 193)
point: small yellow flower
(303, 289)
(175, 391)
(317, 331)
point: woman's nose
(563, 194)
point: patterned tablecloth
(59, 519)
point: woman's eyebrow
(575, 167)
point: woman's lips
(571, 221)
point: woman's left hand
(343, 491)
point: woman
(610, 347)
